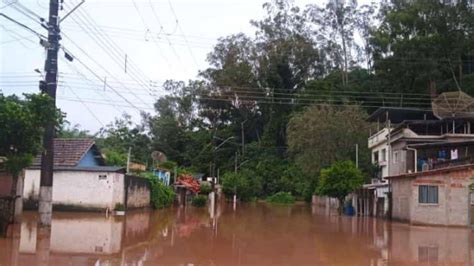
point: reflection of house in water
(413, 244)
(83, 239)
(90, 235)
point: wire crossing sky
(123, 50)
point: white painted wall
(79, 188)
(377, 143)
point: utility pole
(128, 159)
(50, 85)
(357, 155)
(243, 137)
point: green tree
(336, 25)
(422, 42)
(322, 135)
(338, 180)
(244, 184)
(22, 124)
(115, 139)
(75, 131)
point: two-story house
(386, 119)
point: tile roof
(68, 152)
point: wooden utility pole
(50, 85)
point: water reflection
(253, 234)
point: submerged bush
(282, 198)
(162, 196)
(205, 189)
(199, 201)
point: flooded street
(253, 234)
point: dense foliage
(21, 128)
(339, 180)
(199, 201)
(162, 196)
(275, 107)
(321, 135)
(205, 189)
(281, 198)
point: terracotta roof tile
(68, 152)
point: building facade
(435, 197)
(81, 181)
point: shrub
(205, 189)
(281, 198)
(119, 207)
(338, 180)
(239, 184)
(199, 201)
(162, 196)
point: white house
(376, 193)
(81, 180)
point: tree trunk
(14, 184)
(341, 206)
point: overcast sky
(160, 40)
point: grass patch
(281, 198)
(199, 201)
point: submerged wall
(137, 192)
(77, 189)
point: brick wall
(138, 191)
(453, 206)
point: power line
(16, 37)
(85, 105)
(161, 26)
(102, 42)
(182, 32)
(91, 71)
(23, 26)
(135, 72)
(147, 30)
(90, 81)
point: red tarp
(189, 182)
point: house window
(396, 156)
(102, 177)
(428, 194)
(427, 254)
(376, 157)
(384, 155)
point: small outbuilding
(435, 197)
(82, 181)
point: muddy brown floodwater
(253, 234)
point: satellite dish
(453, 104)
(159, 156)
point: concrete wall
(453, 206)
(5, 183)
(398, 167)
(138, 192)
(401, 197)
(90, 190)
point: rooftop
(398, 114)
(68, 152)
